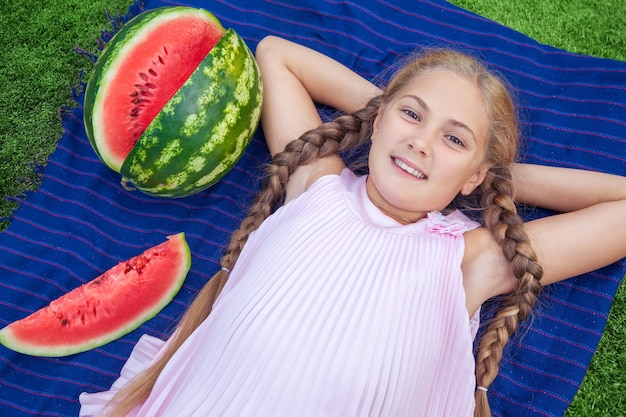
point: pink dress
(333, 309)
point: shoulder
(486, 271)
(304, 176)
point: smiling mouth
(409, 170)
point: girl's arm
(294, 78)
(563, 189)
(591, 232)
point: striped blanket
(82, 222)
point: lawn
(38, 68)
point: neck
(401, 220)
(374, 196)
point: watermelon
(106, 308)
(173, 101)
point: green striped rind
(114, 53)
(204, 129)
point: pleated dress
(333, 309)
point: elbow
(269, 49)
(271, 59)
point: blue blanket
(82, 222)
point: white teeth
(410, 170)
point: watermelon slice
(106, 308)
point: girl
(355, 296)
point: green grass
(590, 27)
(38, 67)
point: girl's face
(428, 145)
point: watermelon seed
(153, 72)
(161, 60)
(64, 322)
(134, 94)
(144, 76)
(147, 93)
(150, 85)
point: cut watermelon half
(173, 101)
(140, 70)
(106, 308)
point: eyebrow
(454, 122)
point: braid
(344, 133)
(502, 220)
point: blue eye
(456, 141)
(411, 114)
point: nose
(422, 142)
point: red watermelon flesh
(160, 64)
(106, 308)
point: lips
(409, 169)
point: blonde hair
(348, 132)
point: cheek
(379, 144)
(460, 172)
(373, 157)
